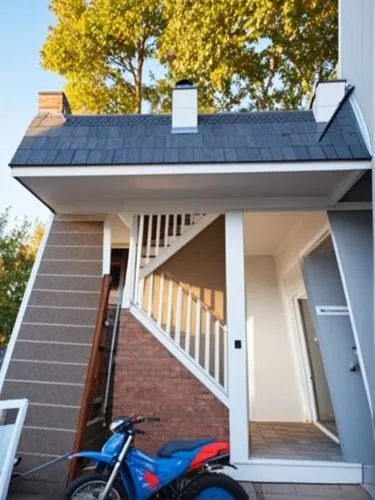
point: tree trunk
(138, 82)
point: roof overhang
(221, 186)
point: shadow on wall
(201, 265)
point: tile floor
(258, 491)
(297, 441)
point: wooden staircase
(169, 309)
(161, 236)
(92, 420)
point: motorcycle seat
(171, 447)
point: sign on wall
(332, 310)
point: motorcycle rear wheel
(214, 486)
(90, 486)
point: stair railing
(189, 322)
(114, 335)
(158, 231)
(93, 376)
(155, 233)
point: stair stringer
(177, 244)
(176, 351)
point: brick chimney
(54, 103)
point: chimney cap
(52, 102)
(184, 83)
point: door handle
(354, 367)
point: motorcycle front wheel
(90, 486)
(214, 486)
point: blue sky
(23, 28)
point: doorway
(322, 399)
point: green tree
(252, 54)
(257, 54)
(18, 247)
(101, 47)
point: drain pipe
(113, 347)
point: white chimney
(328, 95)
(357, 53)
(184, 108)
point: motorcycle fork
(115, 470)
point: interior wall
(274, 394)
(120, 233)
(308, 227)
(201, 265)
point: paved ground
(270, 492)
(293, 440)
(304, 492)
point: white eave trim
(188, 169)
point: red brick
(150, 381)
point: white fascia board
(183, 169)
(206, 205)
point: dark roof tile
(134, 156)
(80, 156)
(230, 154)
(121, 156)
(289, 153)
(316, 152)
(185, 155)
(37, 157)
(21, 157)
(223, 137)
(265, 154)
(63, 157)
(301, 153)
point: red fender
(209, 451)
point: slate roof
(283, 136)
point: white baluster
(188, 323)
(149, 237)
(217, 350)
(169, 308)
(182, 223)
(177, 336)
(175, 226)
(139, 258)
(197, 330)
(157, 243)
(141, 285)
(207, 342)
(166, 231)
(225, 344)
(161, 299)
(150, 294)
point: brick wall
(150, 381)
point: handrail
(184, 318)
(9, 446)
(92, 374)
(113, 341)
(189, 290)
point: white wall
(310, 226)
(119, 232)
(274, 394)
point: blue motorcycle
(184, 470)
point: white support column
(107, 244)
(237, 352)
(128, 295)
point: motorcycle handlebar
(144, 420)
